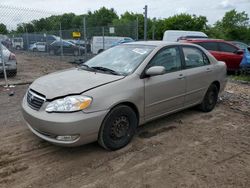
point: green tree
(127, 23)
(101, 17)
(233, 26)
(186, 22)
(3, 29)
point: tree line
(233, 26)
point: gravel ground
(187, 149)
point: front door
(165, 93)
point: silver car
(107, 97)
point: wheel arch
(217, 84)
(131, 105)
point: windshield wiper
(104, 69)
(85, 67)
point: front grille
(35, 100)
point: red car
(222, 51)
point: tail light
(12, 56)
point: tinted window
(68, 44)
(194, 57)
(56, 43)
(209, 45)
(227, 47)
(168, 58)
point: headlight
(69, 104)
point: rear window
(224, 47)
(194, 57)
(213, 46)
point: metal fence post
(145, 21)
(27, 39)
(137, 28)
(85, 37)
(61, 45)
(103, 38)
(3, 64)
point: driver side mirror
(156, 70)
(239, 52)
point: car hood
(72, 81)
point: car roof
(205, 40)
(155, 43)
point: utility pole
(145, 21)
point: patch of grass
(241, 78)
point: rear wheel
(210, 99)
(118, 128)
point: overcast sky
(212, 9)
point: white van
(174, 35)
(17, 43)
(100, 43)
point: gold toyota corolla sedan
(107, 97)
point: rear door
(229, 56)
(165, 93)
(198, 72)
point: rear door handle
(181, 76)
(208, 70)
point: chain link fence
(27, 44)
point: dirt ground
(187, 149)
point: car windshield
(122, 59)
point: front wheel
(118, 128)
(210, 99)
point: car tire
(35, 50)
(100, 51)
(18, 47)
(210, 99)
(12, 73)
(76, 53)
(52, 52)
(118, 128)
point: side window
(227, 48)
(213, 46)
(169, 58)
(194, 57)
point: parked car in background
(80, 43)
(240, 45)
(100, 43)
(17, 43)
(107, 97)
(67, 48)
(174, 35)
(38, 47)
(222, 51)
(122, 41)
(9, 61)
